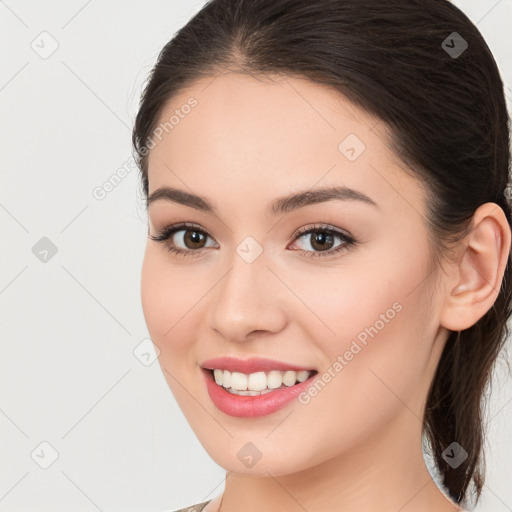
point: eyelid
(321, 227)
(348, 240)
(166, 232)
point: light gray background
(70, 325)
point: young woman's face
(364, 315)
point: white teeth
(238, 381)
(274, 379)
(289, 378)
(226, 379)
(248, 392)
(218, 376)
(258, 383)
(303, 375)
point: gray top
(194, 508)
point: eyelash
(169, 231)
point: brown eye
(184, 239)
(321, 241)
(193, 239)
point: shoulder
(194, 508)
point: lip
(252, 365)
(253, 406)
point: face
(337, 284)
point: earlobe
(476, 279)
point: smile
(254, 387)
(258, 383)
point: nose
(248, 300)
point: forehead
(259, 112)
(268, 136)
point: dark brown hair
(449, 124)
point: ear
(474, 283)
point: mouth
(258, 383)
(255, 387)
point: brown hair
(449, 124)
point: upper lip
(252, 365)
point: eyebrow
(281, 205)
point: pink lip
(252, 406)
(253, 365)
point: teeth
(289, 378)
(303, 375)
(219, 376)
(238, 381)
(248, 392)
(274, 379)
(226, 378)
(258, 383)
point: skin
(357, 444)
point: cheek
(376, 331)
(371, 296)
(174, 297)
(168, 296)
(155, 295)
(375, 366)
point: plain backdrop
(87, 420)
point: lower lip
(252, 406)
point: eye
(190, 236)
(323, 240)
(193, 240)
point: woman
(327, 271)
